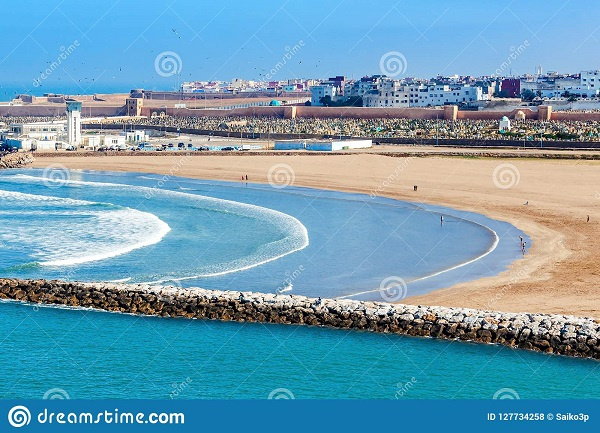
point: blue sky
(119, 41)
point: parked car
(227, 148)
(70, 148)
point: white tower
(74, 123)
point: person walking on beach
(521, 243)
(524, 248)
(588, 220)
(441, 219)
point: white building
(29, 144)
(323, 145)
(74, 123)
(39, 130)
(93, 141)
(590, 79)
(556, 86)
(36, 135)
(114, 141)
(451, 94)
(387, 92)
(364, 86)
(582, 91)
(321, 91)
(137, 136)
(394, 93)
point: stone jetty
(564, 335)
(15, 160)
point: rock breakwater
(15, 160)
(564, 335)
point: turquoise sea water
(103, 355)
(121, 226)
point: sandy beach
(560, 274)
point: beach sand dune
(561, 272)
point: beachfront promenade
(559, 334)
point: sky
(111, 45)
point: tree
(352, 101)
(527, 95)
(326, 101)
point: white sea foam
(62, 231)
(296, 236)
(121, 280)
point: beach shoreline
(558, 274)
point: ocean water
(80, 225)
(8, 91)
(90, 354)
(91, 226)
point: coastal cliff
(15, 160)
(564, 335)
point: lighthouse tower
(74, 123)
